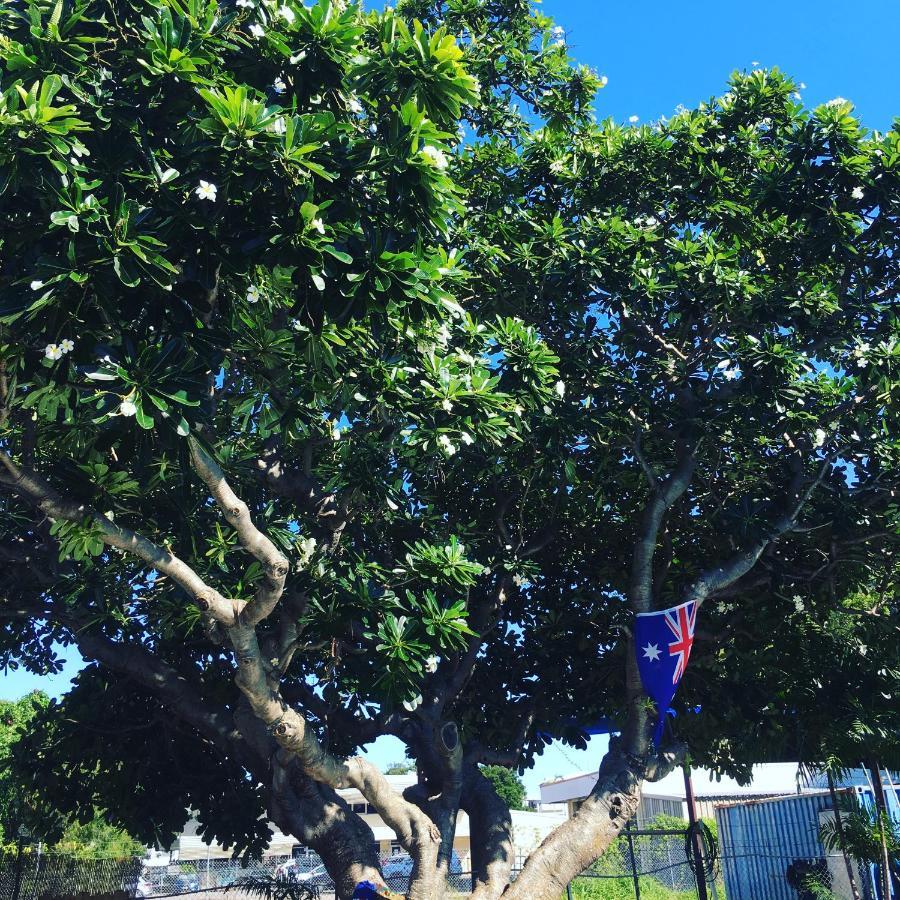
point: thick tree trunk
(439, 764)
(490, 832)
(320, 818)
(572, 847)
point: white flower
(336, 433)
(318, 225)
(287, 14)
(467, 439)
(604, 81)
(802, 85)
(278, 126)
(435, 156)
(279, 86)
(520, 580)
(354, 106)
(558, 31)
(798, 603)
(820, 437)
(257, 30)
(560, 389)
(307, 548)
(634, 119)
(447, 445)
(519, 410)
(36, 285)
(53, 351)
(247, 4)
(206, 191)
(412, 705)
(67, 345)
(858, 193)
(253, 294)
(127, 408)
(431, 664)
(447, 405)
(837, 101)
(731, 374)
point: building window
(396, 848)
(359, 807)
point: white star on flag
(651, 651)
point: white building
(667, 796)
(529, 829)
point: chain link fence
(652, 864)
(36, 875)
(213, 876)
(640, 865)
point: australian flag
(662, 642)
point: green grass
(623, 889)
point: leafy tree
(15, 718)
(507, 785)
(401, 768)
(355, 382)
(98, 838)
(21, 805)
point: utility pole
(696, 843)
(882, 817)
(839, 826)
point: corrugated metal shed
(760, 839)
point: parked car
(186, 882)
(400, 866)
(292, 871)
(137, 886)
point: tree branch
(663, 495)
(54, 505)
(726, 573)
(298, 486)
(237, 513)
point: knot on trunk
(279, 569)
(615, 807)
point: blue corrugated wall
(758, 840)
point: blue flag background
(662, 643)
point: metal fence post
(569, 891)
(17, 885)
(634, 871)
(699, 874)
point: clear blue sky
(658, 54)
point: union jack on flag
(662, 642)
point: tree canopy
(355, 381)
